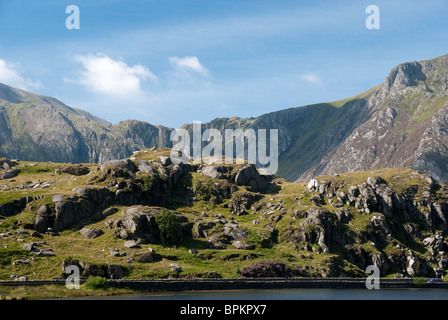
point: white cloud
(312, 77)
(9, 76)
(189, 64)
(104, 75)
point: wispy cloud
(188, 64)
(102, 74)
(312, 77)
(10, 76)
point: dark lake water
(291, 294)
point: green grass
(227, 262)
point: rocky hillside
(38, 128)
(145, 217)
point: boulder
(214, 172)
(200, 229)
(116, 253)
(46, 253)
(6, 164)
(41, 223)
(141, 225)
(43, 210)
(115, 271)
(234, 232)
(243, 245)
(144, 166)
(149, 257)
(215, 242)
(249, 176)
(29, 247)
(9, 174)
(374, 181)
(175, 267)
(91, 233)
(131, 244)
(76, 169)
(122, 163)
(166, 161)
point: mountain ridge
(399, 123)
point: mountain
(401, 123)
(39, 128)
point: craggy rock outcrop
(15, 206)
(396, 219)
(140, 223)
(241, 202)
(151, 187)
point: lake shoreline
(246, 283)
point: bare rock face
(78, 137)
(401, 123)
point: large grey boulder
(149, 257)
(46, 253)
(131, 244)
(234, 232)
(249, 176)
(122, 163)
(91, 233)
(214, 172)
(10, 174)
(57, 198)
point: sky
(171, 62)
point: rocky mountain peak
(404, 75)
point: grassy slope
(226, 262)
(319, 117)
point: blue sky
(171, 62)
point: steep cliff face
(403, 124)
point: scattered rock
(175, 267)
(30, 247)
(243, 245)
(46, 253)
(131, 244)
(149, 257)
(193, 251)
(91, 233)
